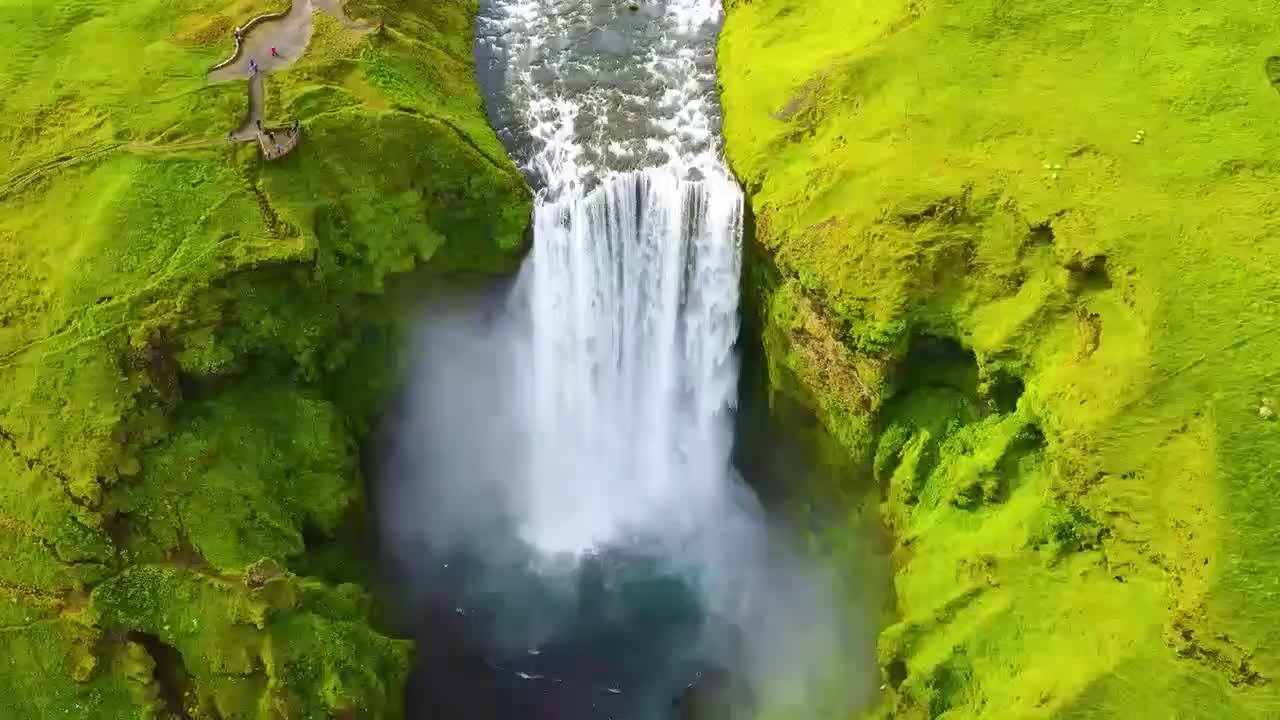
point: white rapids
(633, 292)
(632, 286)
(578, 432)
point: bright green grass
(895, 153)
(192, 342)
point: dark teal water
(614, 637)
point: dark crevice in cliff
(937, 361)
(1089, 273)
(943, 363)
(942, 405)
(775, 434)
(749, 449)
(341, 556)
(897, 672)
(169, 673)
(1005, 389)
(1041, 234)
(1272, 68)
(805, 477)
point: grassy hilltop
(191, 342)
(1022, 260)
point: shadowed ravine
(560, 500)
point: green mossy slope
(1021, 261)
(192, 343)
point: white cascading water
(632, 286)
(633, 292)
(583, 427)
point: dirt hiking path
(289, 35)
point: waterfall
(630, 295)
(633, 293)
(564, 473)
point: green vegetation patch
(258, 646)
(193, 343)
(211, 512)
(1020, 264)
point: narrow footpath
(290, 34)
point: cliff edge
(1021, 261)
(193, 343)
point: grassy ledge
(192, 342)
(1022, 264)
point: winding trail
(289, 34)
(248, 130)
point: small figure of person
(239, 35)
(259, 125)
(277, 149)
(274, 54)
(271, 136)
(231, 135)
(297, 126)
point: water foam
(591, 419)
(631, 291)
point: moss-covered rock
(192, 343)
(253, 646)
(1018, 259)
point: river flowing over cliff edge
(563, 478)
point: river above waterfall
(563, 499)
(580, 89)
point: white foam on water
(581, 89)
(596, 413)
(633, 291)
(632, 286)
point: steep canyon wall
(1020, 261)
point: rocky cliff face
(1020, 261)
(192, 343)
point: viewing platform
(276, 142)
